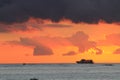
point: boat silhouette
(84, 61)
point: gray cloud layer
(90, 11)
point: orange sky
(45, 41)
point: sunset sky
(59, 31)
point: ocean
(60, 72)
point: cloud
(81, 40)
(42, 50)
(22, 10)
(56, 25)
(30, 25)
(18, 27)
(54, 41)
(39, 49)
(112, 39)
(71, 53)
(117, 51)
(98, 51)
(90, 11)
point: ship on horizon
(84, 61)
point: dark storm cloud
(90, 11)
(21, 10)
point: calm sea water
(60, 72)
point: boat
(84, 61)
(108, 64)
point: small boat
(108, 64)
(84, 61)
